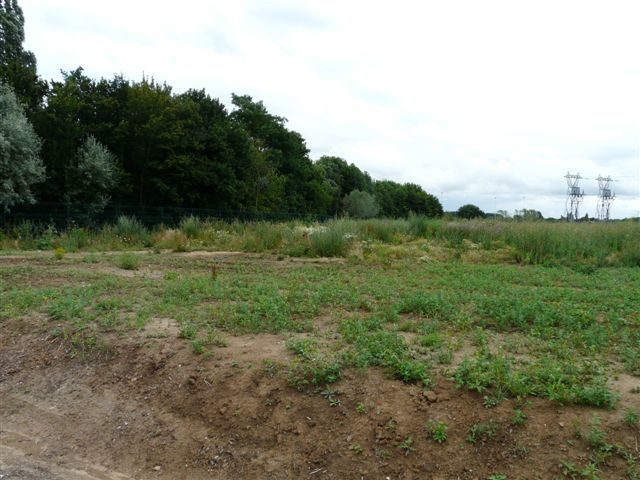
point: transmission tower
(574, 196)
(605, 197)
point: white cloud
(486, 102)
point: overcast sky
(485, 102)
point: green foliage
(342, 179)
(519, 417)
(18, 66)
(20, 163)
(470, 211)
(557, 380)
(359, 204)
(631, 417)
(334, 240)
(128, 261)
(398, 200)
(407, 446)
(482, 431)
(129, 230)
(91, 177)
(437, 430)
(58, 253)
(191, 226)
(430, 305)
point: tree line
(91, 142)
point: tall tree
(20, 163)
(306, 189)
(343, 178)
(91, 177)
(18, 66)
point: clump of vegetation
(482, 431)
(631, 417)
(519, 417)
(129, 261)
(334, 240)
(557, 380)
(130, 231)
(437, 430)
(58, 253)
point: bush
(129, 230)
(360, 204)
(470, 211)
(128, 261)
(191, 226)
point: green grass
(400, 302)
(128, 261)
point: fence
(63, 215)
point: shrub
(360, 204)
(129, 230)
(191, 226)
(128, 261)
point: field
(356, 349)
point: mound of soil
(151, 409)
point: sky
(484, 102)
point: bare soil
(149, 408)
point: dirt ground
(150, 409)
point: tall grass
(591, 244)
(334, 240)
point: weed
(407, 446)
(191, 226)
(595, 435)
(331, 396)
(381, 454)
(431, 340)
(270, 367)
(438, 430)
(631, 417)
(356, 448)
(497, 476)
(482, 431)
(494, 400)
(188, 331)
(360, 408)
(518, 450)
(90, 258)
(519, 417)
(128, 261)
(198, 346)
(58, 253)
(444, 357)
